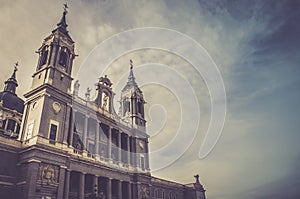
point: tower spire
(131, 78)
(62, 25)
(57, 52)
(132, 102)
(11, 84)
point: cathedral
(58, 145)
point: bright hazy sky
(255, 45)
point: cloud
(255, 45)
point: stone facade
(68, 147)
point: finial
(66, 7)
(16, 66)
(197, 178)
(131, 64)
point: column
(85, 129)
(128, 149)
(71, 63)
(134, 106)
(129, 194)
(134, 112)
(39, 61)
(57, 55)
(23, 133)
(119, 182)
(134, 154)
(81, 186)
(120, 146)
(54, 49)
(32, 174)
(109, 143)
(108, 188)
(147, 155)
(72, 116)
(61, 186)
(49, 56)
(67, 185)
(135, 192)
(68, 119)
(95, 184)
(15, 127)
(68, 63)
(97, 139)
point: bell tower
(132, 102)
(56, 56)
(48, 103)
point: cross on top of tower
(66, 7)
(62, 25)
(131, 64)
(16, 66)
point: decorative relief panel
(144, 191)
(48, 174)
(56, 107)
(141, 145)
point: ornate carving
(141, 144)
(78, 145)
(105, 102)
(88, 94)
(34, 105)
(76, 88)
(48, 174)
(56, 107)
(144, 191)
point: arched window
(3, 124)
(140, 108)
(53, 132)
(44, 56)
(11, 125)
(126, 107)
(18, 129)
(63, 58)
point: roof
(11, 101)
(8, 97)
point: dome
(8, 97)
(11, 101)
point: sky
(253, 44)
